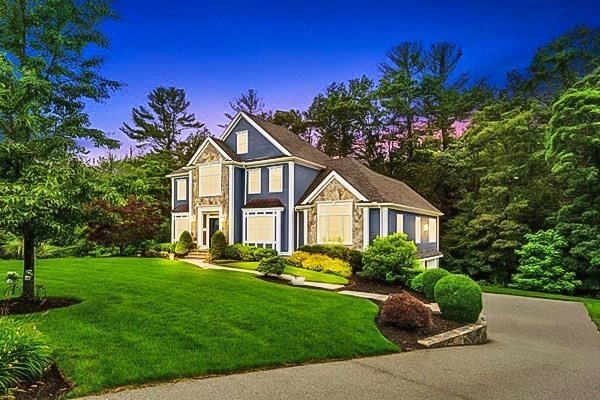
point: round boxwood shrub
(406, 311)
(184, 244)
(459, 298)
(430, 278)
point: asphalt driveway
(539, 349)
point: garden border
(472, 334)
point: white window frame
(254, 171)
(271, 169)
(399, 223)
(417, 230)
(335, 203)
(178, 183)
(275, 213)
(174, 217)
(238, 135)
(203, 167)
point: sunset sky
(289, 51)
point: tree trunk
(28, 264)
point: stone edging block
(466, 335)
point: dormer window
(242, 142)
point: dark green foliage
(232, 252)
(541, 266)
(459, 298)
(218, 244)
(242, 252)
(351, 256)
(416, 283)
(184, 244)
(389, 258)
(406, 312)
(573, 148)
(260, 253)
(24, 355)
(430, 278)
(273, 265)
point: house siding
(303, 177)
(239, 198)
(300, 230)
(409, 228)
(258, 145)
(283, 196)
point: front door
(213, 226)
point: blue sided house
(264, 186)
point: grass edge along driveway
(154, 320)
(592, 305)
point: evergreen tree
(165, 124)
(573, 148)
(249, 102)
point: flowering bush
(23, 354)
(328, 265)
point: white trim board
(334, 176)
(203, 146)
(270, 138)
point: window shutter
(417, 229)
(432, 230)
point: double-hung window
(181, 187)
(210, 180)
(334, 222)
(242, 142)
(254, 181)
(276, 179)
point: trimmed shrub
(166, 247)
(260, 253)
(232, 252)
(247, 253)
(459, 298)
(184, 244)
(23, 354)
(297, 258)
(218, 244)
(386, 258)
(416, 283)
(273, 265)
(328, 265)
(406, 311)
(337, 251)
(430, 278)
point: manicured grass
(147, 320)
(592, 305)
(313, 276)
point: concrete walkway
(205, 265)
(540, 349)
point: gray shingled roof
(375, 187)
(290, 141)
(228, 150)
(264, 203)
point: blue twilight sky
(291, 50)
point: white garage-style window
(276, 179)
(260, 228)
(242, 142)
(180, 223)
(181, 189)
(334, 222)
(210, 180)
(254, 181)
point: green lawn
(592, 305)
(313, 276)
(147, 320)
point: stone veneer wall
(210, 155)
(334, 191)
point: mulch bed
(52, 385)
(369, 286)
(18, 305)
(407, 340)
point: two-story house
(262, 185)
